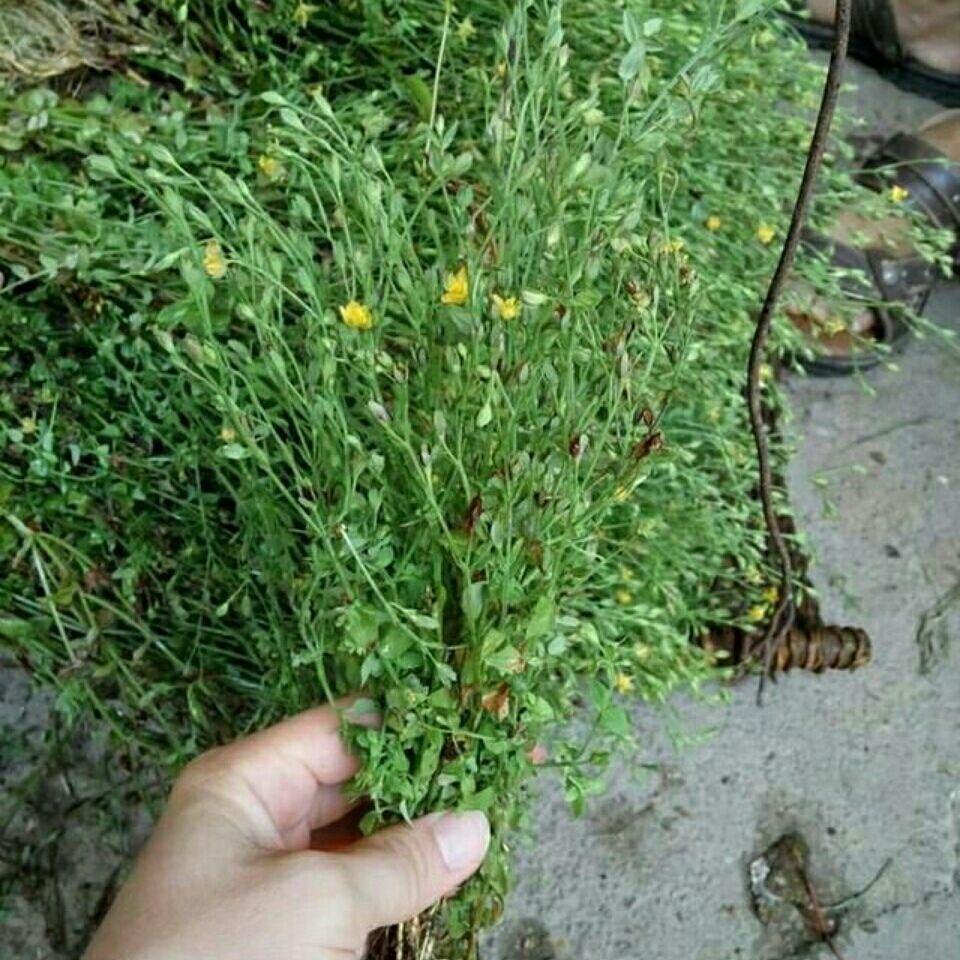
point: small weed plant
(394, 348)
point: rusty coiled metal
(816, 647)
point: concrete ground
(864, 766)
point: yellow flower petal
(757, 612)
(506, 308)
(356, 315)
(714, 224)
(672, 246)
(456, 288)
(269, 166)
(898, 194)
(765, 234)
(213, 262)
(623, 683)
(771, 594)
(623, 597)
(228, 434)
(302, 14)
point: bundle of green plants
(426, 384)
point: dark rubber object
(893, 282)
(932, 182)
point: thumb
(399, 872)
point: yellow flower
(771, 594)
(466, 29)
(213, 262)
(757, 612)
(766, 373)
(898, 194)
(641, 651)
(766, 234)
(228, 434)
(621, 494)
(456, 288)
(714, 224)
(356, 315)
(506, 308)
(28, 425)
(500, 70)
(672, 246)
(764, 38)
(269, 166)
(623, 597)
(303, 13)
(754, 575)
(623, 683)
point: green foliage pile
(486, 508)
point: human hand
(229, 873)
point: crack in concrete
(954, 807)
(931, 896)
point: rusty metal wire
(783, 618)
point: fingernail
(463, 839)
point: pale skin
(928, 29)
(231, 871)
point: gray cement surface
(865, 766)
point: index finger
(286, 778)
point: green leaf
(361, 711)
(361, 627)
(506, 660)
(616, 720)
(446, 673)
(423, 621)
(633, 60)
(542, 619)
(15, 628)
(101, 166)
(371, 667)
(483, 800)
(420, 95)
(472, 601)
(234, 451)
(395, 643)
(485, 415)
(292, 119)
(429, 755)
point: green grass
(223, 504)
